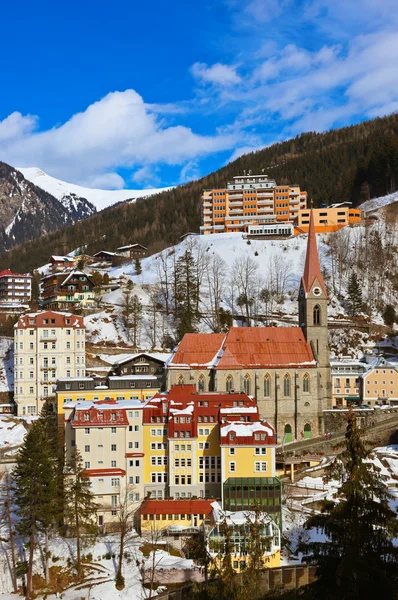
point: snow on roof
(132, 377)
(63, 258)
(120, 404)
(132, 246)
(105, 252)
(239, 409)
(238, 518)
(188, 410)
(245, 429)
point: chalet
(141, 364)
(67, 290)
(104, 256)
(61, 262)
(133, 251)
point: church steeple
(313, 301)
(312, 269)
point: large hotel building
(250, 202)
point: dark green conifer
(357, 560)
(354, 296)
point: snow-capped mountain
(70, 193)
(28, 211)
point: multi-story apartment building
(346, 381)
(328, 219)
(379, 384)
(109, 436)
(67, 290)
(47, 346)
(250, 200)
(179, 445)
(15, 287)
(110, 388)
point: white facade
(47, 346)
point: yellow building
(328, 219)
(178, 516)
(346, 381)
(97, 389)
(380, 384)
(250, 200)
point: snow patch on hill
(99, 198)
(6, 364)
(375, 203)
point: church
(286, 369)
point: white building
(15, 287)
(109, 436)
(48, 346)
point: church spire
(312, 269)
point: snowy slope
(375, 203)
(100, 198)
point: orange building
(250, 200)
(328, 219)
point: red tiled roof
(262, 347)
(104, 472)
(197, 349)
(176, 507)
(312, 269)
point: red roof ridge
(312, 269)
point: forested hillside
(353, 163)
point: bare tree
(125, 516)
(153, 537)
(164, 269)
(215, 280)
(6, 517)
(279, 276)
(154, 309)
(244, 273)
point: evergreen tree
(358, 559)
(137, 266)
(34, 491)
(389, 315)
(80, 508)
(135, 317)
(186, 295)
(105, 279)
(354, 295)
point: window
(113, 429)
(115, 482)
(232, 451)
(181, 380)
(113, 447)
(232, 467)
(229, 384)
(87, 430)
(113, 464)
(267, 386)
(317, 315)
(306, 383)
(114, 500)
(86, 448)
(201, 383)
(247, 384)
(286, 385)
(86, 465)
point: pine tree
(186, 295)
(34, 490)
(358, 559)
(80, 508)
(389, 315)
(135, 317)
(354, 295)
(137, 266)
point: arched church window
(317, 315)
(288, 433)
(181, 380)
(267, 385)
(201, 383)
(247, 384)
(306, 383)
(287, 385)
(229, 384)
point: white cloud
(263, 10)
(190, 172)
(146, 176)
(107, 181)
(218, 74)
(117, 131)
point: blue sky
(127, 94)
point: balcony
(50, 338)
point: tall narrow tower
(313, 301)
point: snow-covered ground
(100, 584)
(100, 198)
(6, 364)
(12, 432)
(375, 203)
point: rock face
(27, 211)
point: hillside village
(197, 391)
